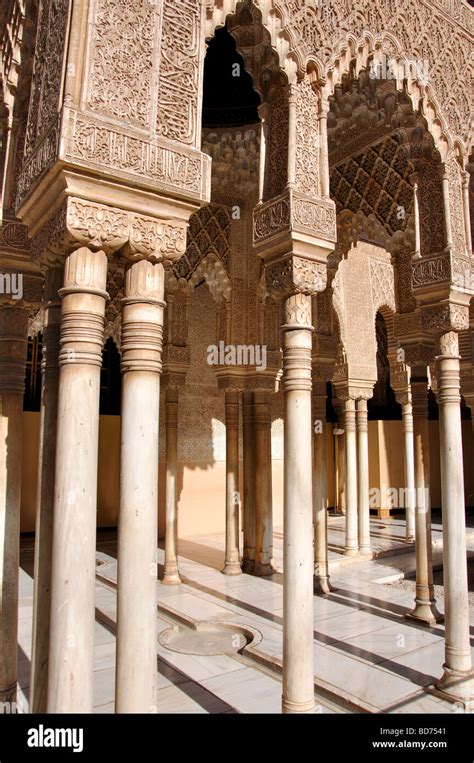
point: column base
(287, 706)
(232, 568)
(409, 539)
(247, 566)
(457, 687)
(383, 513)
(322, 586)
(365, 551)
(263, 570)
(351, 552)
(425, 613)
(171, 578)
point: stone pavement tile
(198, 608)
(248, 690)
(325, 608)
(104, 656)
(392, 642)
(197, 667)
(423, 704)
(189, 698)
(104, 686)
(362, 680)
(349, 625)
(426, 661)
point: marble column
(320, 493)
(298, 667)
(363, 477)
(425, 603)
(171, 573)
(137, 624)
(457, 682)
(13, 342)
(409, 462)
(248, 436)
(352, 540)
(71, 648)
(263, 484)
(232, 557)
(45, 495)
(340, 459)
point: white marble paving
(364, 649)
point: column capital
(356, 389)
(142, 319)
(78, 222)
(294, 275)
(447, 369)
(13, 341)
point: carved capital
(13, 339)
(353, 389)
(156, 239)
(438, 319)
(142, 318)
(83, 223)
(295, 274)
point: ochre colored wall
(201, 487)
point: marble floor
(367, 657)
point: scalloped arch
(295, 59)
(352, 55)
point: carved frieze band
(14, 235)
(455, 269)
(82, 223)
(35, 166)
(93, 144)
(293, 211)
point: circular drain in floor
(206, 639)
(100, 562)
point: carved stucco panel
(122, 61)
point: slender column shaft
(263, 114)
(171, 573)
(232, 559)
(352, 543)
(71, 648)
(363, 484)
(466, 210)
(45, 496)
(425, 603)
(13, 338)
(340, 461)
(248, 561)
(409, 459)
(323, 151)
(137, 625)
(457, 679)
(298, 668)
(447, 215)
(320, 497)
(263, 484)
(292, 121)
